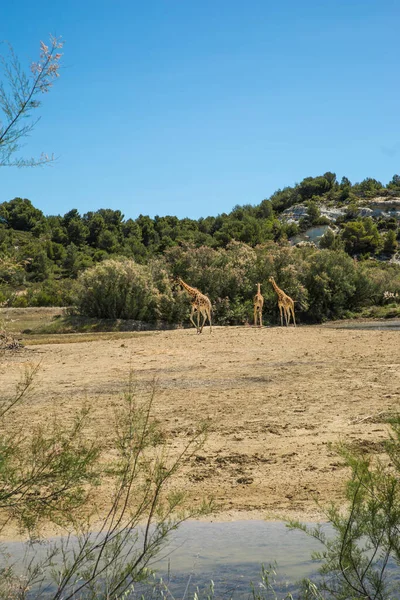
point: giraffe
(258, 306)
(200, 304)
(285, 303)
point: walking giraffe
(200, 304)
(258, 306)
(285, 303)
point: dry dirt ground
(275, 399)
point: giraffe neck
(190, 290)
(276, 288)
(258, 288)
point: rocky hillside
(378, 207)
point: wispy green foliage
(359, 559)
(50, 474)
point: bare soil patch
(275, 399)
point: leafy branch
(19, 93)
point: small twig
(367, 418)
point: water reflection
(229, 554)
(389, 325)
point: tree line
(224, 256)
(65, 245)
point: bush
(361, 237)
(224, 275)
(52, 293)
(118, 289)
(335, 285)
(20, 302)
(366, 541)
(324, 283)
(383, 277)
(122, 289)
(49, 474)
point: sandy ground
(275, 399)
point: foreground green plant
(359, 559)
(360, 554)
(51, 474)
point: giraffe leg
(191, 319)
(294, 320)
(255, 316)
(260, 315)
(209, 318)
(287, 314)
(204, 315)
(280, 310)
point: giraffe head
(174, 281)
(271, 279)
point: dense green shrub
(325, 284)
(335, 285)
(118, 289)
(20, 214)
(18, 301)
(224, 275)
(383, 277)
(52, 293)
(390, 244)
(123, 289)
(361, 237)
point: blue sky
(189, 108)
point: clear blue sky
(189, 108)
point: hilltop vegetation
(43, 257)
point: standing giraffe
(200, 304)
(258, 306)
(285, 303)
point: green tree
(57, 229)
(369, 187)
(331, 178)
(345, 190)
(112, 218)
(21, 215)
(390, 244)
(77, 232)
(264, 210)
(71, 263)
(394, 183)
(313, 212)
(285, 198)
(107, 241)
(361, 237)
(38, 266)
(95, 225)
(334, 285)
(69, 216)
(330, 240)
(314, 186)
(131, 228)
(149, 235)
